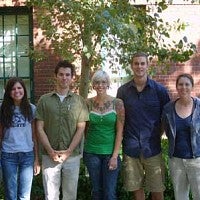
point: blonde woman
(103, 138)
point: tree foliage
(92, 30)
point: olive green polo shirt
(60, 118)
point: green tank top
(100, 137)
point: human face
(101, 86)
(184, 87)
(139, 67)
(17, 93)
(63, 78)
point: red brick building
(19, 33)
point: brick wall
(43, 70)
(189, 14)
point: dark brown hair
(7, 107)
(185, 75)
(65, 64)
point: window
(16, 38)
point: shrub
(84, 186)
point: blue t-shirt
(18, 137)
(183, 148)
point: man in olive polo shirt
(61, 118)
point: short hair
(65, 64)
(185, 75)
(100, 75)
(139, 54)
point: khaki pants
(57, 174)
(185, 174)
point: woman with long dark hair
(19, 157)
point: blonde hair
(100, 75)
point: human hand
(63, 155)
(36, 168)
(112, 164)
(54, 156)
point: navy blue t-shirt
(183, 148)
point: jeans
(17, 169)
(185, 174)
(56, 174)
(104, 181)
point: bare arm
(119, 132)
(75, 141)
(36, 151)
(45, 141)
(88, 103)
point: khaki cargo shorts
(140, 172)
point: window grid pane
(14, 49)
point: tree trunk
(85, 77)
